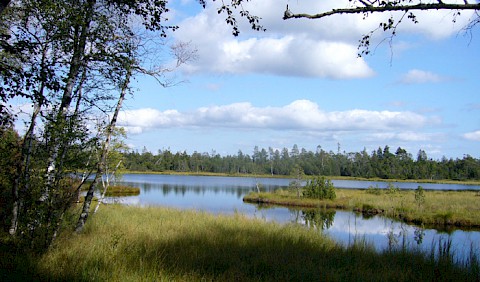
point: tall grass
(156, 244)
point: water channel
(223, 195)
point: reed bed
(157, 244)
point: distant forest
(381, 163)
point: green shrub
(319, 188)
(374, 190)
(420, 196)
(391, 189)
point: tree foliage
(69, 60)
(319, 188)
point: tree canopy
(294, 162)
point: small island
(419, 206)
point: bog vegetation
(419, 206)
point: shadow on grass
(226, 252)
(15, 264)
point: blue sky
(300, 82)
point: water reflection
(319, 219)
(182, 190)
(381, 233)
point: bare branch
(364, 3)
(386, 8)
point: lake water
(224, 195)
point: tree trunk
(23, 168)
(103, 159)
(76, 64)
(105, 184)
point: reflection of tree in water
(418, 235)
(320, 219)
(182, 189)
(262, 206)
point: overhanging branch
(385, 8)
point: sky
(301, 82)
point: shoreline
(432, 181)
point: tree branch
(364, 3)
(386, 8)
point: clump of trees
(72, 63)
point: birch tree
(72, 58)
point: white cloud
(419, 76)
(284, 53)
(325, 48)
(407, 136)
(438, 24)
(474, 136)
(300, 115)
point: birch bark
(103, 159)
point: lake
(224, 195)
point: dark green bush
(319, 188)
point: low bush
(373, 190)
(319, 188)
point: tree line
(381, 163)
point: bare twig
(386, 8)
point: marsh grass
(122, 190)
(156, 244)
(445, 208)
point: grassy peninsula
(441, 208)
(156, 244)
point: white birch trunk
(105, 184)
(103, 159)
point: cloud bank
(300, 115)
